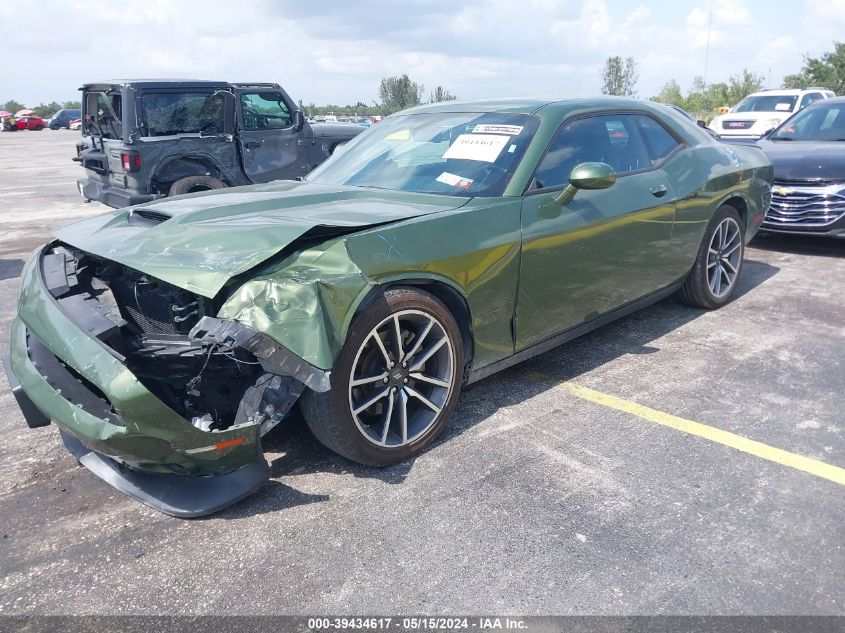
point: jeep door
(269, 137)
(604, 248)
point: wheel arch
(739, 203)
(443, 289)
(177, 167)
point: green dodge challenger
(442, 245)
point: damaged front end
(152, 392)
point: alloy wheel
(401, 378)
(724, 256)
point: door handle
(658, 191)
(251, 144)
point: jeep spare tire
(193, 184)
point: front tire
(718, 264)
(395, 382)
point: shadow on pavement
(800, 244)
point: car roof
(531, 105)
(157, 83)
(787, 91)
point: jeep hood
(199, 242)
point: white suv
(760, 112)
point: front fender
(305, 303)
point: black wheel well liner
(454, 301)
(741, 206)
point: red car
(30, 123)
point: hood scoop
(146, 217)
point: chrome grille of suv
(734, 124)
(805, 205)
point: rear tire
(38, 128)
(718, 264)
(423, 370)
(193, 184)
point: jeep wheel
(193, 184)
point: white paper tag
(482, 147)
(783, 107)
(512, 130)
(455, 181)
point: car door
(268, 137)
(607, 247)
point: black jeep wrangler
(143, 140)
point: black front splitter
(183, 496)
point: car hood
(806, 160)
(199, 242)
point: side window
(171, 113)
(809, 98)
(611, 139)
(657, 139)
(264, 110)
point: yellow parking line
(726, 438)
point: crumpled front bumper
(113, 424)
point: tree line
(44, 110)
(619, 77)
(395, 93)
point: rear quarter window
(659, 142)
(171, 113)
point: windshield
(767, 103)
(818, 123)
(459, 154)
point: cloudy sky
(335, 51)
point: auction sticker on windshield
(512, 130)
(455, 181)
(481, 147)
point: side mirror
(768, 132)
(587, 176)
(701, 123)
(298, 120)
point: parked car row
(363, 121)
(22, 120)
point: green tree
(49, 109)
(670, 93)
(398, 93)
(619, 77)
(742, 85)
(441, 94)
(12, 106)
(827, 71)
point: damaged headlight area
(215, 373)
